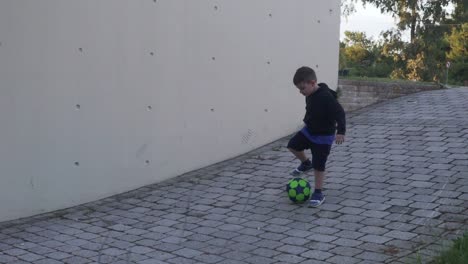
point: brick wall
(357, 94)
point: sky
(371, 21)
(367, 19)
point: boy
(323, 114)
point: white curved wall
(217, 75)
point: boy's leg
(297, 145)
(300, 155)
(319, 159)
(319, 176)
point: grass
(456, 254)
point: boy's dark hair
(304, 74)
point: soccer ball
(298, 190)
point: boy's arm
(338, 114)
(340, 118)
(341, 121)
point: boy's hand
(339, 139)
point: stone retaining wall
(356, 94)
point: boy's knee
(297, 143)
(290, 145)
(319, 167)
(292, 150)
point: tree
(347, 7)
(460, 13)
(394, 48)
(357, 48)
(458, 53)
(343, 64)
(435, 37)
(458, 40)
(363, 55)
(413, 14)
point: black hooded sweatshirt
(324, 115)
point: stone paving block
(230, 227)
(167, 247)
(209, 258)
(47, 261)
(295, 241)
(181, 260)
(160, 255)
(322, 238)
(152, 261)
(371, 256)
(399, 202)
(463, 197)
(289, 258)
(349, 218)
(330, 207)
(86, 253)
(324, 230)
(351, 211)
(225, 234)
(399, 195)
(260, 260)
(271, 244)
(80, 260)
(374, 230)
(30, 257)
(5, 247)
(237, 255)
(375, 239)
(426, 213)
(345, 242)
(187, 253)
(15, 252)
(375, 222)
(276, 228)
(265, 252)
(246, 239)
(292, 249)
(243, 247)
(451, 209)
(230, 261)
(350, 226)
(400, 235)
(346, 251)
(375, 214)
(343, 260)
(40, 250)
(272, 236)
(59, 255)
(316, 254)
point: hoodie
(324, 115)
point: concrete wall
(358, 94)
(101, 97)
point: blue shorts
(319, 152)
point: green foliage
(458, 40)
(458, 73)
(436, 37)
(416, 68)
(413, 15)
(457, 254)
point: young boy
(324, 115)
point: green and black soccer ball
(298, 190)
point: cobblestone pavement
(399, 184)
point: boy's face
(307, 88)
